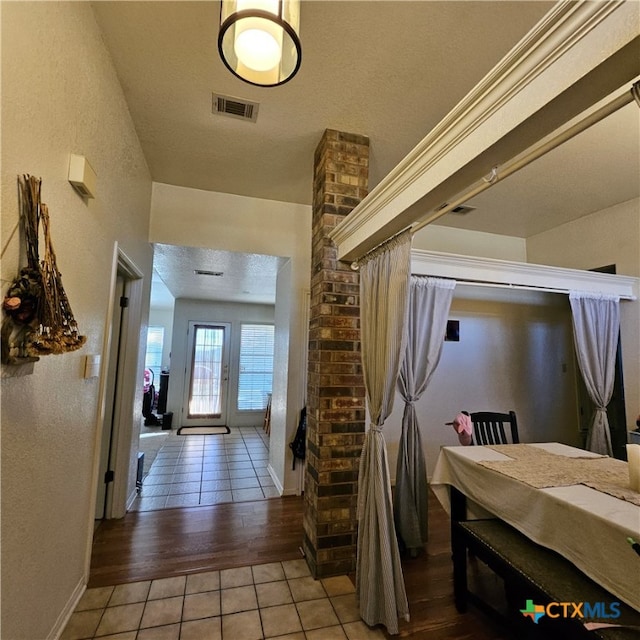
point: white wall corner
(276, 480)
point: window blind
(256, 366)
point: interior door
(207, 379)
(114, 390)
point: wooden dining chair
(489, 427)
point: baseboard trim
(69, 608)
(131, 500)
(276, 480)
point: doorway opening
(218, 356)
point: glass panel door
(208, 368)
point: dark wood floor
(170, 542)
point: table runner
(541, 469)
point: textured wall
(515, 352)
(60, 95)
(437, 237)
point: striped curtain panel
(429, 304)
(596, 327)
(384, 289)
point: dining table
(575, 502)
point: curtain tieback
(375, 428)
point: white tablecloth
(588, 527)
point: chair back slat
(489, 427)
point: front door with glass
(207, 382)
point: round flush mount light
(258, 40)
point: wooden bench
(530, 572)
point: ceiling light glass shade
(258, 40)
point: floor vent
(235, 108)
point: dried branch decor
(39, 320)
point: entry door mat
(203, 431)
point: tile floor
(202, 470)
(275, 600)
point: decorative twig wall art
(38, 317)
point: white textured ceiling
(390, 70)
(245, 277)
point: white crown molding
(521, 274)
(573, 41)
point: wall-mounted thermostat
(82, 176)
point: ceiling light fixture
(258, 40)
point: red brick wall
(335, 393)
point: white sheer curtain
(429, 304)
(596, 327)
(384, 288)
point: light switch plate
(92, 366)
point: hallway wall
(60, 95)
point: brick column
(335, 393)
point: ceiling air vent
(204, 272)
(462, 210)
(235, 108)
